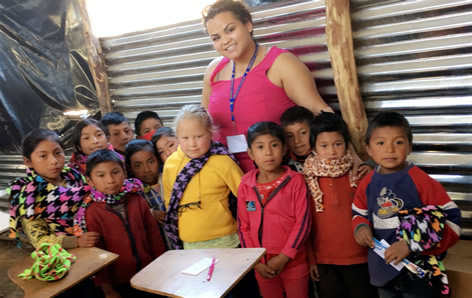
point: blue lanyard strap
(232, 97)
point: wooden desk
(88, 262)
(164, 275)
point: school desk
(88, 262)
(164, 275)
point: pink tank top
(258, 100)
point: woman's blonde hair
(195, 112)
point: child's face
(194, 138)
(92, 138)
(166, 146)
(267, 152)
(120, 135)
(107, 177)
(47, 160)
(389, 147)
(330, 145)
(297, 136)
(148, 125)
(145, 166)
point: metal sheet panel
(415, 57)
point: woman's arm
(206, 82)
(296, 79)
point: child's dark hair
(237, 8)
(162, 132)
(265, 128)
(113, 118)
(328, 122)
(143, 116)
(135, 146)
(34, 137)
(296, 114)
(81, 125)
(99, 156)
(384, 119)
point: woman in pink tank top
(264, 81)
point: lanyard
(232, 97)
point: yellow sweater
(211, 185)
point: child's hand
(363, 236)
(363, 170)
(265, 271)
(109, 292)
(315, 275)
(159, 215)
(397, 252)
(88, 239)
(278, 262)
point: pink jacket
(283, 224)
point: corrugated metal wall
(163, 69)
(415, 57)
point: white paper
(199, 266)
(381, 252)
(4, 221)
(237, 143)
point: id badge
(237, 143)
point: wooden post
(96, 61)
(341, 51)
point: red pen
(212, 267)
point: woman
(264, 81)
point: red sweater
(332, 239)
(135, 237)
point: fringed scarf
(183, 178)
(422, 229)
(78, 160)
(129, 186)
(316, 166)
(33, 197)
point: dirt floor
(9, 256)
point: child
(119, 213)
(89, 136)
(142, 163)
(166, 142)
(146, 123)
(296, 123)
(44, 204)
(274, 213)
(400, 203)
(336, 260)
(119, 130)
(197, 180)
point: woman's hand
(363, 170)
(88, 239)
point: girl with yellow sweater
(198, 180)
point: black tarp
(44, 71)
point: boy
(146, 123)
(119, 130)
(383, 208)
(119, 213)
(296, 123)
(336, 260)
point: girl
(197, 180)
(142, 163)
(336, 260)
(89, 136)
(44, 203)
(274, 213)
(166, 142)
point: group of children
(182, 190)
